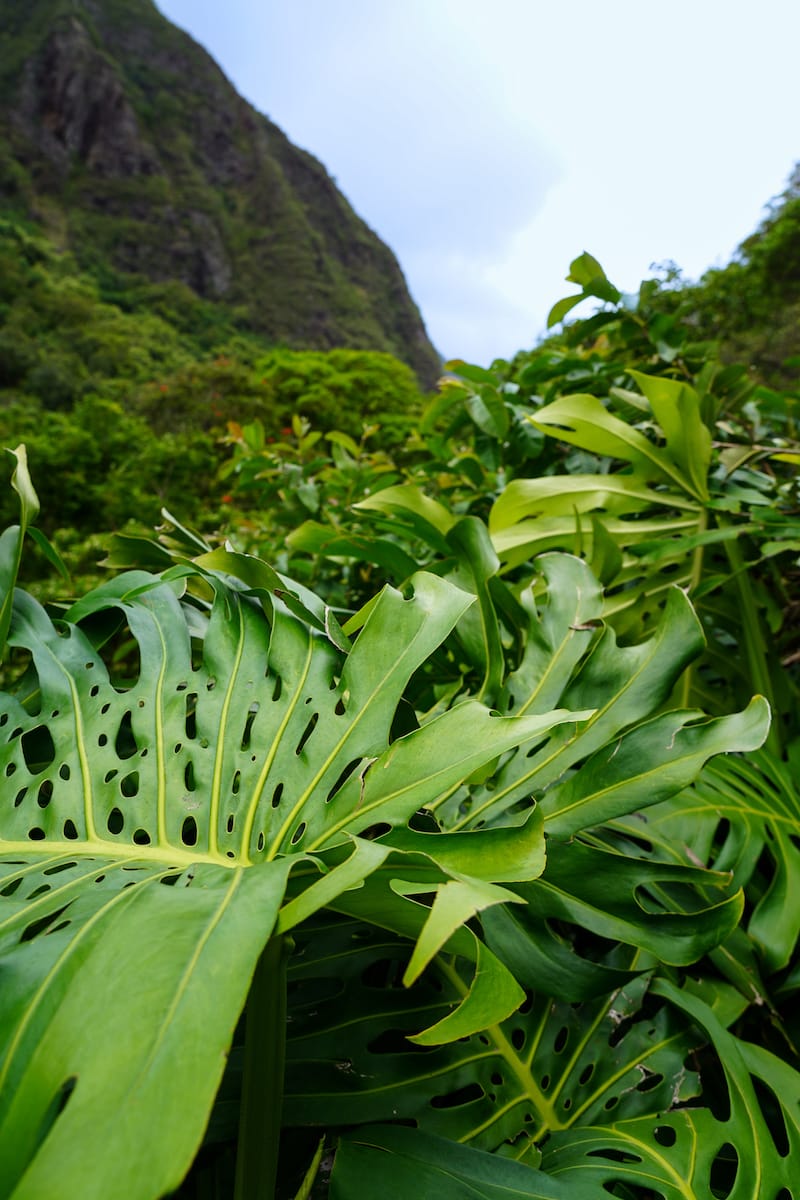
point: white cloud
(489, 143)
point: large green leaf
(583, 421)
(407, 1164)
(616, 759)
(676, 407)
(743, 815)
(746, 1152)
(246, 739)
(552, 1065)
(119, 1000)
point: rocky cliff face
(123, 136)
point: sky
(489, 142)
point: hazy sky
(490, 141)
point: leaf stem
(262, 1085)
(694, 582)
(752, 632)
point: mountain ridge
(125, 141)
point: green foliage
(541, 901)
(246, 767)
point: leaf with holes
(743, 1153)
(548, 1067)
(247, 740)
(743, 815)
(615, 760)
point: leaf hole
(189, 832)
(535, 749)
(298, 833)
(38, 750)
(141, 837)
(94, 690)
(613, 1155)
(342, 779)
(39, 891)
(665, 1135)
(64, 771)
(307, 732)
(36, 927)
(188, 777)
(276, 795)
(278, 688)
(586, 1074)
(545, 1082)
(229, 824)
(518, 1038)
(70, 832)
(496, 1079)
(115, 821)
(59, 867)
(561, 1039)
(464, 1095)
(20, 796)
(45, 794)
(109, 775)
(129, 785)
(772, 1112)
(260, 842)
(36, 834)
(125, 743)
(191, 715)
(724, 1170)
(248, 726)
(236, 782)
(211, 683)
(10, 887)
(103, 710)
(340, 708)
(650, 1081)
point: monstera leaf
(744, 1151)
(150, 829)
(628, 753)
(420, 1164)
(548, 1067)
(741, 816)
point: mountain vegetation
(415, 811)
(122, 139)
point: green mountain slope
(121, 137)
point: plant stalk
(755, 645)
(262, 1084)
(694, 582)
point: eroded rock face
(73, 105)
(129, 131)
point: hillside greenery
(124, 142)
(123, 389)
(427, 819)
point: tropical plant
(198, 761)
